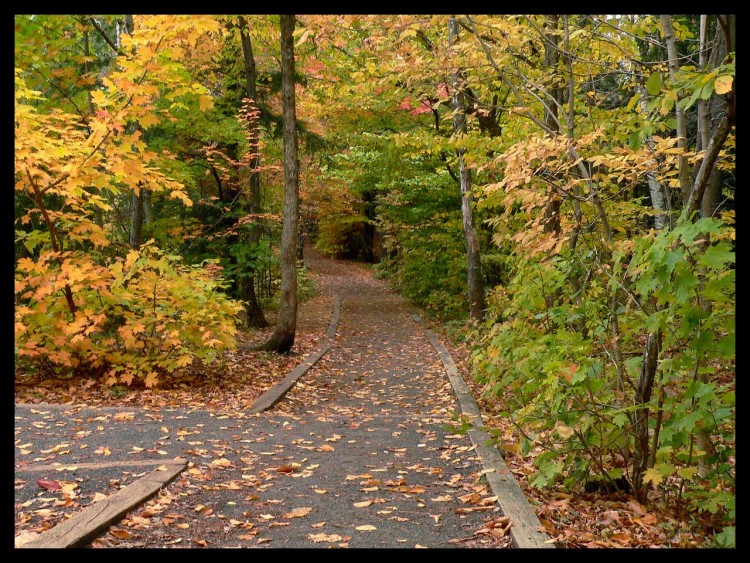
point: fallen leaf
(330, 538)
(49, 485)
(319, 525)
(103, 451)
(202, 543)
(221, 462)
(286, 469)
(298, 513)
(120, 534)
(366, 528)
(363, 476)
(98, 497)
(324, 448)
(124, 416)
(420, 546)
(362, 504)
(264, 540)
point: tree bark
(656, 190)
(475, 282)
(136, 199)
(554, 94)
(669, 38)
(255, 316)
(643, 393)
(716, 108)
(136, 220)
(282, 339)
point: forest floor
(232, 385)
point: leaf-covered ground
(591, 520)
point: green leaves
(654, 84)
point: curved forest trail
(359, 453)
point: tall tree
(475, 282)
(136, 202)
(282, 339)
(254, 312)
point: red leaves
(287, 468)
(49, 485)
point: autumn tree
(282, 339)
(84, 306)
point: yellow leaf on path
(298, 513)
(420, 546)
(221, 462)
(98, 497)
(319, 525)
(125, 416)
(324, 448)
(363, 503)
(363, 476)
(103, 451)
(330, 538)
(366, 528)
(264, 540)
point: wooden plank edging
(526, 531)
(274, 394)
(81, 528)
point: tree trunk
(282, 339)
(98, 214)
(136, 220)
(474, 264)
(669, 38)
(644, 390)
(716, 108)
(136, 199)
(255, 316)
(553, 100)
(656, 190)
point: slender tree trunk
(282, 339)
(136, 220)
(255, 316)
(644, 390)
(98, 215)
(554, 99)
(656, 190)
(716, 108)
(136, 199)
(148, 211)
(474, 264)
(673, 64)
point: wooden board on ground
(87, 524)
(526, 530)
